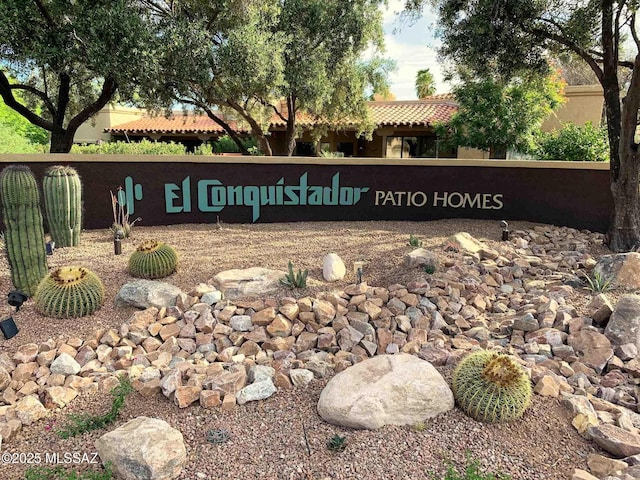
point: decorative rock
(29, 410)
(333, 268)
(593, 348)
(324, 311)
(385, 390)
(211, 298)
(624, 324)
(248, 282)
(186, 395)
(579, 474)
(256, 391)
(602, 466)
(58, 397)
(26, 353)
(65, 365)
(420, 257)
(147, 293)
(600, 309)
(464, 241)
(616, 440)
(241, 323)
(622, 269)
(548, 386)
(300, 377)
(143, 448)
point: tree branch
(109, 88)
(40, 94)
(45, 13)
(11, 102)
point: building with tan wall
(404, 129)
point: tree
(512, 35)
(261, 59)
(425, 83)
(496, 117)
(68, 60)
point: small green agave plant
(337, 443)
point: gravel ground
(267, 438)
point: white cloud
(413, 47)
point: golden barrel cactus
(69, 292)
(153, 259)
(491, 387)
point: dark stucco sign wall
(171, 190)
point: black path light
(118, 235)
(8, 326)
(505, 230)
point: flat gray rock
(147, 293)
(247, 282)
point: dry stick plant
(121, 215)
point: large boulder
(465, 241)
(615, 440)
(622, 269)
(624, 323)
(385, 390)
(247, 282)
(147, 293)
(143, 449)
(421, 257)
(333, 268)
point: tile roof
(412, 113)
(175, 124)
(438, 108)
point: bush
(574, 143)
(225, 144)
(144, 147)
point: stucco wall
(93, 130)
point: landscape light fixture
(8, 326)
(16, 298)
(357, 270)
(51, 246)
(505, 230)
(118, 235)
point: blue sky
(412, 45)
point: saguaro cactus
(23, 235)
(62, 192)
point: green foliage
(330, 154)
(491, 387)
(305, 53)
(425, 84)
(472, 471)
(295, 280)
(143, 147)
(419, 427)
(78, 424)
(337, 443)
(62, 193)
(497, 116)
(225, 144)
(414, 241)
(68, 60)
(24, 234)
(17, 134)
(429, 269)
(69, 292)
(153, 259)
(597, 282)
(575, 143)
(59, 472)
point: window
(424, 146)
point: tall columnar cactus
(62, 193)
(491, 387)
(23, 234)
(69, 292)
(153, 259)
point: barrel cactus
(153, 259)
(23, 235)
(491, 387)
(69, 292)
(62, 193)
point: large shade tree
(498, 116)
(256, 60)
(511, 35)
(62, 61)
